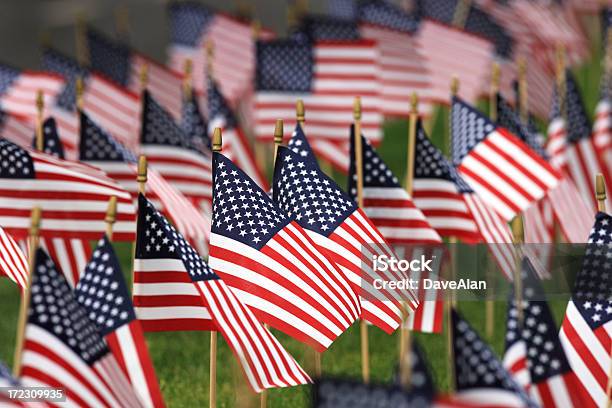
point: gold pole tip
(256, 28)
(414, 103)
(522, 66)
(455, 85)
(300, 111)
(142, 167)
(144, 76)
(278, 132)
(495, 74)
(210, 48)
(188, 67)
(357, 108)
(111, 211)
(217, 140)
(40, 100)
(518, 231)
(600, 187)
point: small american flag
(13, 263)
(586, 328)
(235, 142)
(192, 26)
(63, 347)
(176, 156)
(334, 222)
(114, 107)
(15, 128)
(480, 375)
(552, 381)
(102, 292)
(100, 149)
(19, 89)
(447, 199)
(273, 264)
(386, 203)
(503, 170)
(122, 65)
(74, 197)
(169, 269)
(326, 75)
(193, 122)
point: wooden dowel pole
(144, 77)
(523, 95)
(24, 305)
(111, 217)
(462, 11)
(188, 79)
(300, 113)
(600, 192)
(40, 107)
(518, 235)
(278, 137)
(79, 90)
(141, 178)
(494, 91)
(363, 327)
(217, 143)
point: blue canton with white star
(429, 162)
(375, 171)
(242, 211)
(578, 124)
(98, 145)
(324, 28)
(8, 75)
(306, 193)
(421, 387)
(387, 15)
(477, 366)
(69, 68)
(299, 144)
(110, 58)
(342, 9)
(469, 127)
(592, 293)
(52, 144)
(15, 162)
(284, 65)
(159, 128)
(188, 22)
(102, 290)
(218, 107)
(54, 308)
(193, 123)
(158, 239)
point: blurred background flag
(13, 263)
(102, 292)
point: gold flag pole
(188, 79)
(523, 96)
(40, 107)
(363, 327)
(217, 142)
(518, 235)
(490, 304)
(33, 240)
(562, 96)
(405, 354)
(111, 217)
(79, 90)
(461, 13)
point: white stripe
(133, 364)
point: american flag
(552, 383)
(273, 264)
(168, 271)
(63, 348)
(556, 141)
(71, 254)
(175, 155)
(565, 201)
(122, 65)
(326, 75)
(99, 149)
(587, 326)
(454, 208)
(112, 106)
(397, 218)
(334, 222)
(73, 197)
(193, 122)
(581, 159)
(103, 294)
(503, 170)
(192, 26)
(235, 142)
(480, 376)
(386, 203)
(13, 263)
(19, 89)
(449, 51)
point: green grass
(182, 358)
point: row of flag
(296, 259)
